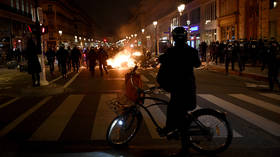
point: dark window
(195, 16)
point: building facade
(66, 25)
(216, 20)
(16, 19)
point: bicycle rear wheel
(216, 135)
(123, 128)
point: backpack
(164, 77)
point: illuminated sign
(194, 28)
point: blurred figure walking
(76, 56)
(102, 58)
(92, 58)
(63, 55)
(51, 57)
(34, 67)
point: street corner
(52, 89)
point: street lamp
(181, 8)
(60, 32)
(188, 23)
(155, 25)
(143, 30)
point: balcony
(14, 10)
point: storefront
(194, 36)
(210, 36)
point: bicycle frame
(161, 102)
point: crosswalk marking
(235, 133)
(144, 79)
(103, 118)
(251, 117)
(157, 114)
(9, 102)
(52, 128)
(257, 102)
(72, 79)
(13, 124)
(271, 95)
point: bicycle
(202, 137)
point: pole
(43, 80)
(156, 41)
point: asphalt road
(74, 123)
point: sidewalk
(253, 72)
(16, 83)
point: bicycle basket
(120, 104)
(130, 91)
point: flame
(123, 60)
(137, 54)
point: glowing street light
(181, 8)
(80, 38)
(135, 35)
(60, 32)
(155, 23)
(143, 30)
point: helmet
(179, 34)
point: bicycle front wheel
(215, 132)
(123, 128)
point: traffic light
(105, 40)
(43, 30)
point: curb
(237, 73)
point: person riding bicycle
(177, 70)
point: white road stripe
(271, 95)
(251, 117)
(257, 102)
(72, 79)
(158, 116)
(143, 78)
(13, 124)
(235, 133)
(53, 127)
(103, 118)
(9, 102)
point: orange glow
(123, 60)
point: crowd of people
(261, 53)
(71, 59)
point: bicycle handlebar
(148, 91)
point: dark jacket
(179, 62)
(33, 61)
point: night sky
(109, 15)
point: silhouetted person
(178, 78)
(102, 58)
(34, 67)
(63, 55)
(51, 57)
(92, 58)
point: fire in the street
(123, 60)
